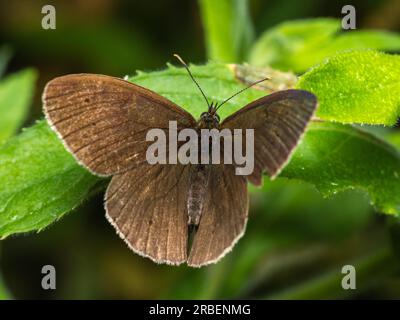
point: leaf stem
(228, 29)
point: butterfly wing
(278, 120)
(224, 216)
(147, 206)
(103, 121)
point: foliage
(356, 87)
(40, 180)
(299, 45)
(15, 97)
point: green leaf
(16, 92)
(279, 46)
(299, 45)
(40, 181)
(356, 87)
(216, 79)
(228, 29)
(335, 157)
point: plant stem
(228, 29)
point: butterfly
(174, 214)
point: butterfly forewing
(103, 120)
(278, 120)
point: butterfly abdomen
(198, 186)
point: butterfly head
(210, 119)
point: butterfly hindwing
(104, 120)
(147, 206)
(224, 216)
(278, 120)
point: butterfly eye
(203, 114)
(217, 116)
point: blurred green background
(296, 242)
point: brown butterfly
(103, 122)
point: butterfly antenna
(240, 91)
(190, 74)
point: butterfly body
(200, 173)
(199, 177)
(103, 122)
(209, 119)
